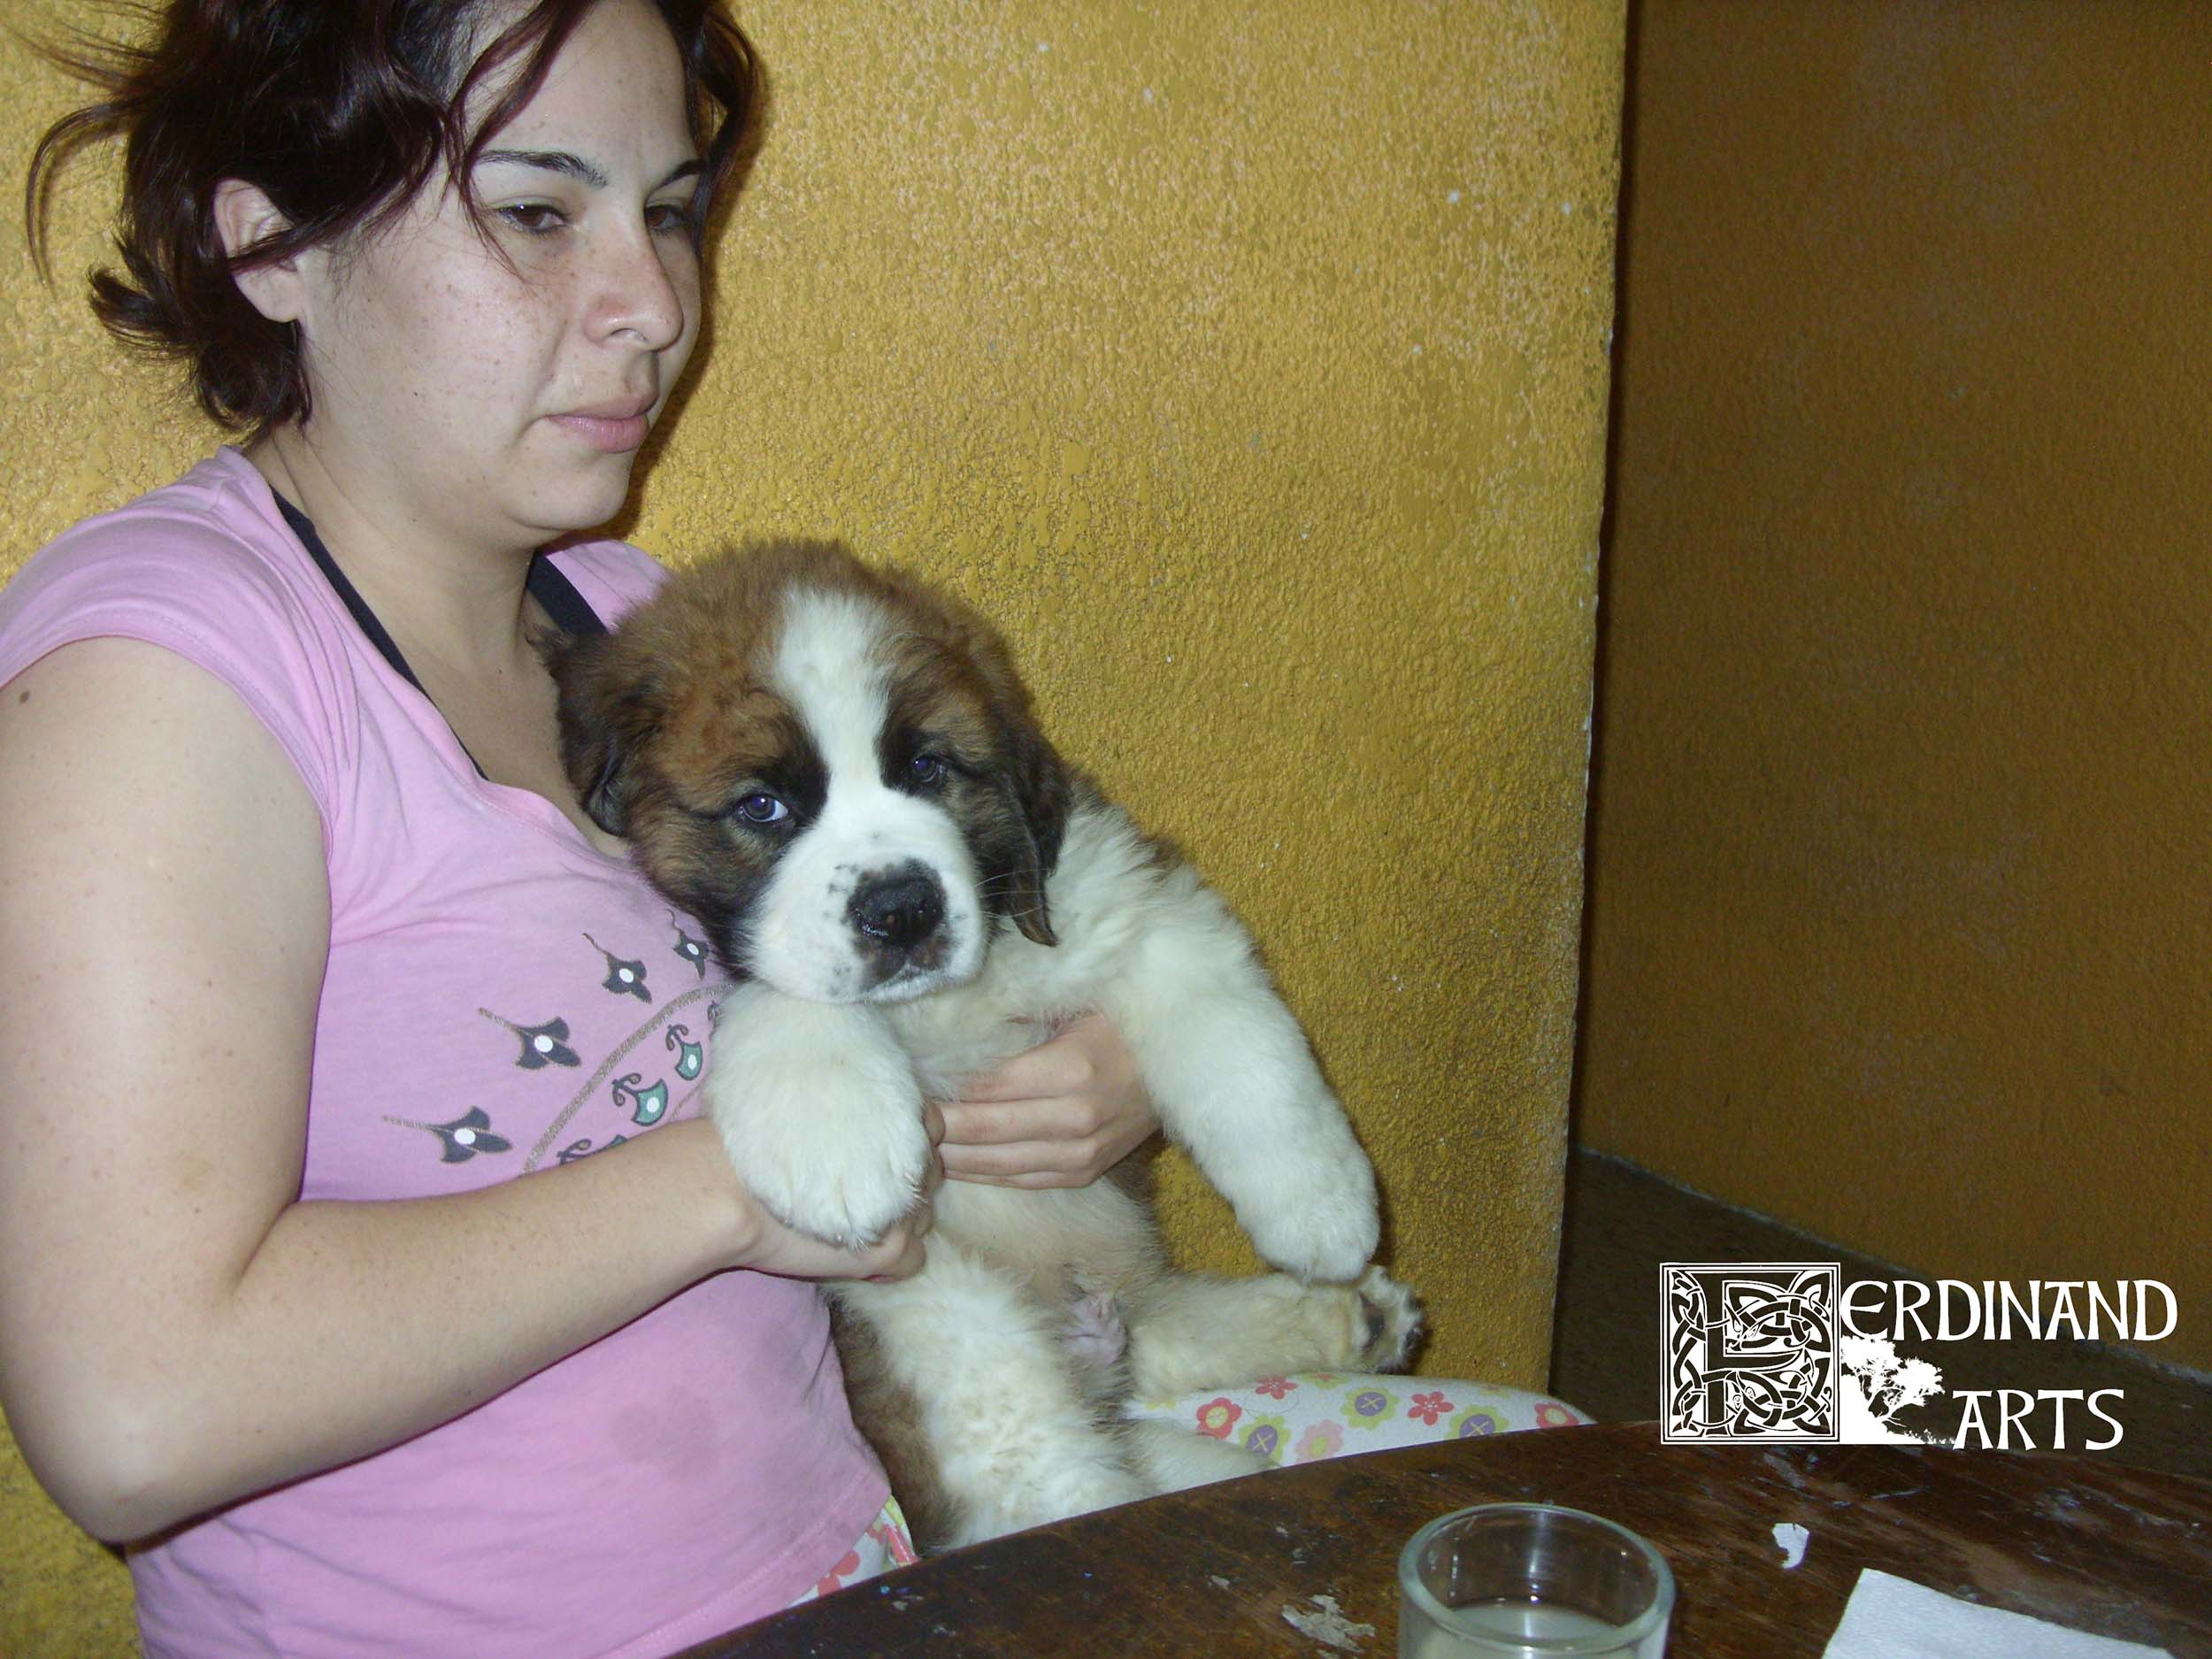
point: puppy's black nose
(899, 909)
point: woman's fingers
(898, 1254)
(1065, 1064)
(972, 1124)
(1061, 1114)
(1053, 1163)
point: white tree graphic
(1877, 1385)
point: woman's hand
(1060, 1114)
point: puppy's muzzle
(899, 917)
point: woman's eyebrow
(575, 166)
(551, 160)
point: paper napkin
(1894, 1619)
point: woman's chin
(584, 500)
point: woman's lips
(615, 428)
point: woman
(360, 1258)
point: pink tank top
(501, 997)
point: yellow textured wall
(1900, 913)
(1249, 362)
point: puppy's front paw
(837, 1151)
(1393, 1318)
(1323, 1228)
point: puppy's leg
(819, 1110)
(1014, 1439)
(1190, 1331)
(1235, 1083)
(1175, 1458)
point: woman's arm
(1061, 1114)
(176, 1330)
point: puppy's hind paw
(1392, 1316)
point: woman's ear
(246, 218)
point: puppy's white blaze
(827, 666)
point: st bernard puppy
(836, 771)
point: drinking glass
(1531, 1581)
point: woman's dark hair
(340, 112)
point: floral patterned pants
(1286, 1420)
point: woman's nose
(649, 289)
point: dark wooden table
(1221, 1571)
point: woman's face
(495, 388)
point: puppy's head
(836, 770)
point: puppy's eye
(927, 771)
(760, 809)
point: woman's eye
(928, 771)
(763, 809)
(537, 217)
(670, 217)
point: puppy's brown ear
(1032, 773)
(608, 706)
(1039, 778)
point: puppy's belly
(1061, 1241)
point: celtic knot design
(1751, 1350)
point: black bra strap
(556, 595)
(304, 527)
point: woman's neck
(457, 602)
